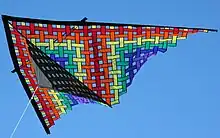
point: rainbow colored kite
(64, 63)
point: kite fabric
(73, 62)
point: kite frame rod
(84, 22)
(21, 77)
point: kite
(64, 63)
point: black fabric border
(32, 20)
(16, 66)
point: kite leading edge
(72, 62)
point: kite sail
(65, 63)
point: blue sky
(175, 95)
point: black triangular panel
(59, 77)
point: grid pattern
(104, 57)
(58, 78)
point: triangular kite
(82, 62)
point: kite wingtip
(4, 16)
(47, 131)
(211, 30)
(108, 104)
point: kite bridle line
(19, 121)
